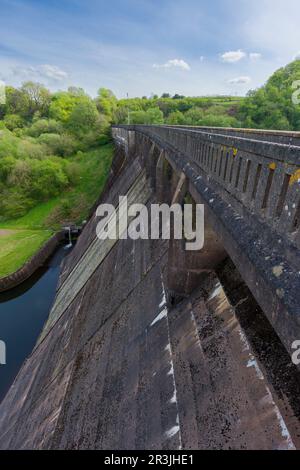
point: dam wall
(119, 366)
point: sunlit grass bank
(21, 238)
(17, 246)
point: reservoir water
(23, 312)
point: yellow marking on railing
(295, 178)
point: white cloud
(297, 56)
(179, 63)
(255, 55)
(239, 81)
(54, 72)
(44, 71)
(233, 56)
(202, 58)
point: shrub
(194, 117)
(62, 145)
(6, 166)
(45, 126)
(176, 118)
(83, 117)
(72, 170)
(8, 143)
(211, 120)
(48, 179)
(13, 121)
(39, 180)
(28, 148)
(14, 204)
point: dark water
(23, 312)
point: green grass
(74, 204)
(34, 219)
(34, 228)
(18, 246)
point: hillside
(271, 106)
(197, 111)
(54, 159)
(55, 152)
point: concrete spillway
(117, 368)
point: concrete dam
(150, 346)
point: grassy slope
(28, 233)
(18, 246)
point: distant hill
(218, 111)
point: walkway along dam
(150, 346)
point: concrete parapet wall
(121, 368)
(252, 194)
(280, 137)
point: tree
(138, 117)
(271, 106)
(83, 117)
(62, 105)
(151, 116)
(6, 166)
(48, 179)
(38, 179)
(76, 91)
(37, 129)
(106, 103)
(212, 120)
(16, 102)
(45, 126)
(176, 118)
(121, 115)
(194, 116)
(59, 144)
(13, 121)
(38, 98)
(167, 105)
(154, 116)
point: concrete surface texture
(119, 366)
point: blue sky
(147, 46)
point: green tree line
(271, 106)
(40, 131)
